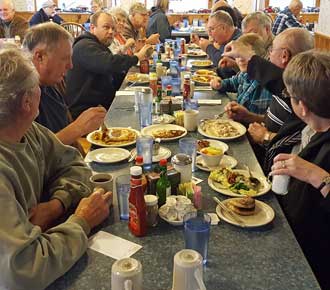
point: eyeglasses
(271, 49)
(212, 29)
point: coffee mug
(280, 184)
(188, 271)
(102, 180)
(126, 274)
(190, 119)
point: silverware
(218, 116)
(255, 181)
(133, 155)
(230, 212)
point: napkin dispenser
(173, 176)
(168, 106)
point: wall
(323, 24)
(24, 5)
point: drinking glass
(123, 189)
(144, 146)
(189, 146)
(145, 107)
(166, 80)
(176, 86)
(197, 232)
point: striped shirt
(285, 19)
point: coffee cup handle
(128, 285)
(199, 279)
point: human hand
(153, 38)
(90, 120)
(295, 166)
(236, 111)
(143, 53)
(236, 49)
(194, 38)
(46, 213)
(227, 62)
(130, 42)
(176, 24)
(215, 83)
(95, 208)
(204, 43)
(257, 132)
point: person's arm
(99, 61)
(36, 19)
(293, 22)
(267, 74)
(163, 28)
(214, 53)
(57, 19)
(230, 85)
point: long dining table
(266, 257)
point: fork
(218, 116)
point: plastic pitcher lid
(188, 258)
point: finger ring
(283, 164)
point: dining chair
(74, 28)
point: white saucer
(226, 161)
(108, 155)
(164, 153)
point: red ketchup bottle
(137, 223)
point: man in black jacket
(97, 74)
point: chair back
(74, 28)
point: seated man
(42, 180)
(306, 205)
(97, 74)
(50, 46)
(221, 28)
(285, 45)
(46, 13)
(136, 25)
(11, 24)
(288, 17)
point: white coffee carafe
(126, 274)
(188, 271)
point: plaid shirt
(284, 20)
(249, 92)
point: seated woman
(250, 94)
(121, 45)
(96, 5)
(307, 78)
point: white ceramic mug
(102, 180)
(190, 119)
(280, 184)
(126, 274)
(188, 271)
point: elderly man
(221, 28)
(11, 24)
(137, 23)
(97, 74)
(50, 46)
(261, 24)
(46, 13)
(288, 17)
(42, 180)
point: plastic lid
(163, 162)
(169, 87)
(151, 199)
(139, 159)
(136, 170)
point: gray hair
(260, 17)
(118, 11)
(49, 34)
(18, 77)
(296, 40)
(307, 77)
(223, 17)
(9, 2)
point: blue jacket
(41, 17)
(158, 23)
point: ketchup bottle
(137, 223)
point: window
(186, 5)
(283, 3)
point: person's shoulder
(19, 19)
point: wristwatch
(267, 138)
(325, 182)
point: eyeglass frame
(212, 29)
(287, 95)
(271, 49)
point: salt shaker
(182, 163)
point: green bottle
(163, 185)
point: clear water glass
(123, 189)
(189, 146)
(144, 146)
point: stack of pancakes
(242, 205)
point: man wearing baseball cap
(46, 13)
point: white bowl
(211, 160)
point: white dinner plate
(217, 144)
(164, 153)
(142, 79)
(225, 191)
(108, 155)
(116, 144)
(226, 162)
(264, 214)
(201, 63)
(162, 119)
(239, 127)
(150, 129)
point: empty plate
(108, 155)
